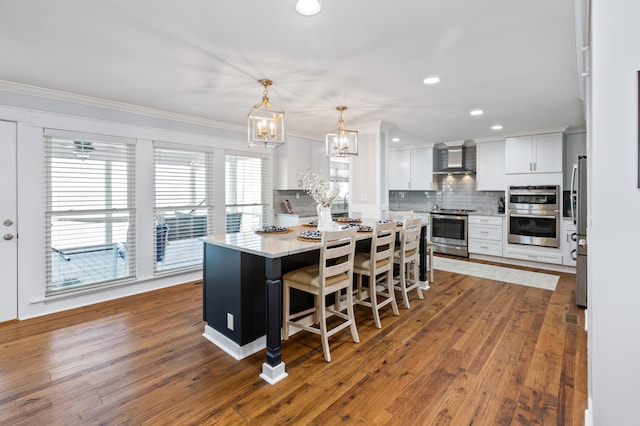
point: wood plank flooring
(474, 351)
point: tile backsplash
(456, 192)
(301, 203)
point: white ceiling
(515, 59)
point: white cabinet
(534, 154)
(568, 242)
(399, 169)
(485, 235)
(292, 219)
(411, 169)
(490, 166)
(296, 157)
(422, 169)
(318, 160)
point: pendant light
(341, 142)
(265, 125)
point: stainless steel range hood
(453, 160)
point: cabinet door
(548, 153)
(399, 169)
(490, 161)
(518, 155)
(292, 160)
(422, 169)
(318, 161)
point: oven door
(449, 229)
(534, 229)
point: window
(183, 182)
(247, 189)
(89, 211)
(339, 173)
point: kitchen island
(242, 289)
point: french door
(8, 226)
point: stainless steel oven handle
(531, 193)
(534, 216)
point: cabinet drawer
(535, 257)
(485, 220)
(493, 248)
(485, 232)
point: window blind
(89, 210)
(184, 190)
(247, 192)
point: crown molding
(58, 95)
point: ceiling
(513, 59)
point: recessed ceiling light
(308, 7)
(496, 127)
(431, 80)
(395, 139)
(476, 112)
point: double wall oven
(534, 215)
(449, 231)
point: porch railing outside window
(184, 189)
(247, 189)
(89, 210)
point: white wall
(32, 115)
(614, 231)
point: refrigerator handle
(572, 194)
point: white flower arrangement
(322, 191)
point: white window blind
(184, 189)
(89, 210)
(247, 189)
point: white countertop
(273, 245)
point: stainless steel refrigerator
(579, 214)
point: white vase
(325, 222)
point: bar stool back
(333, 273)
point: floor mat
(498, 273)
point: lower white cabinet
(284, 219)
(568, 242)
(532, 256)
(485, 235)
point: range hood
(452, 160)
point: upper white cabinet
(411, 169)
(399, 169)
(534, 154)
(296, 157)
(422, 169)
(490, 160)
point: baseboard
(588, 418)
(231, 347)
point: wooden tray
(284, 231)
(309, 240)
(349, 221)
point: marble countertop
(273, 245)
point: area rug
(498, 273)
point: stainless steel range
(449, 231)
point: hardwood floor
(474, 351)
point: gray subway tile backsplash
(456, 192)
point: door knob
(8, 222)
(8, 237)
